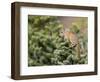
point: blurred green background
(46, 47)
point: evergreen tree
(46, 46)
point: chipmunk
(72, 38)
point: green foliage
(46, 47)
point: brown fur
(72, 37)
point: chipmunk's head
(64, 31)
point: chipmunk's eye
(61, 32)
